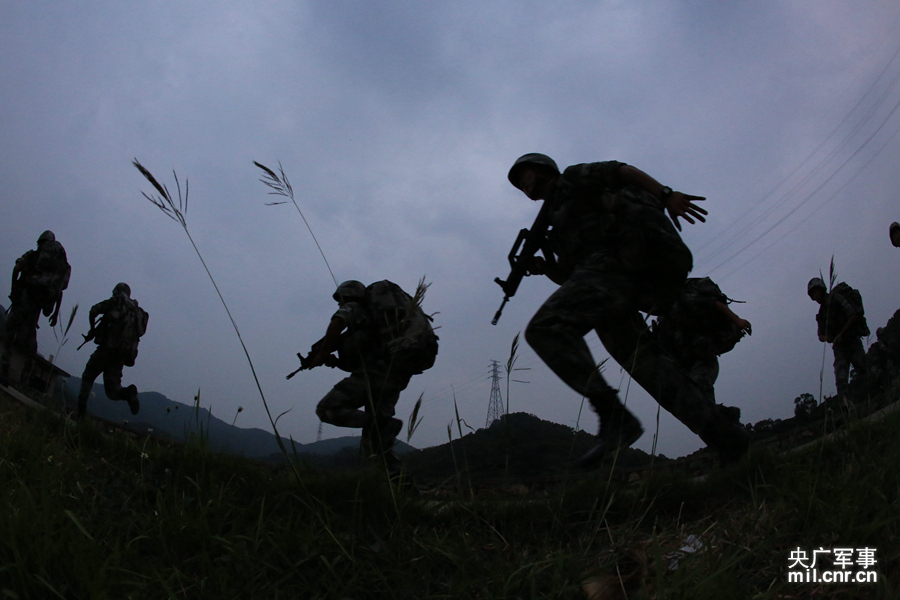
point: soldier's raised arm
(678, 204)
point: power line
(866, 118)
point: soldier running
(38, 280)
(616, 254)
(117, 335)
(382, 338)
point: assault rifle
(90, 335)
(529, 241)
(92, 332)
(304, 361)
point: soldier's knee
(536, 331)
(325, 415)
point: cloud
(396, 124)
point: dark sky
(396, 124)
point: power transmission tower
(319, 433)
(495, 406)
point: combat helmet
(47, 236)
(122, 288)
(815, 282)
(349, 291)
(531, 159)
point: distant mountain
(335, 445)
(517, 445)
(176, 421)
(336, 454)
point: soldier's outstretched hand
(682, 205)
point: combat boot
(81, 410)
(390, 430)
(728, 438)
(619, 428)
(380, 439)
(732, 413)
(132, 397)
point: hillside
(168, 419)
(176, 421)
(518, 445)
(97, 512)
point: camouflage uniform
(40, 276)
(381, 365)
(833, 315)
(117, 339)
(621, 255)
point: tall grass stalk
(202, 432)
(280, 186)
(462, 445)
(61, 334)
(239, 410)
(414, 420)
(832, 278)
(510, 363)
(177, 211)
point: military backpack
(121, 328)
(854, 299)
(694, 314)
(400, 326)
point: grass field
(86, 514)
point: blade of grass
(280, 186)
(167, 204)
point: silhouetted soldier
(117, 335)
(842, 323)
(38, 280)
(880, 359)
(382, 338)
(616, 254)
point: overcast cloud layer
(396, 124)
